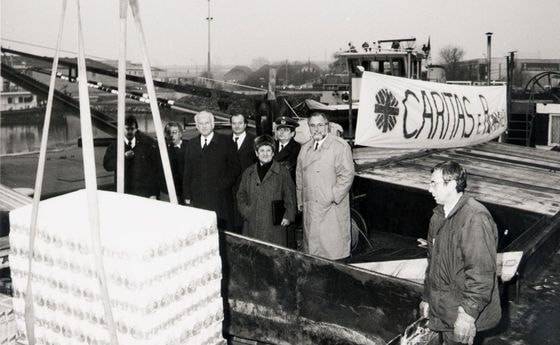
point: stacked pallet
(7, 321)
(161, 261)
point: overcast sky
(176, 30)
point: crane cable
(91, 182)
(29, 311)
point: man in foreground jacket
(460, 288)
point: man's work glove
(424, 309)
(464, 328)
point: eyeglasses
(434, 183)
(319, 125)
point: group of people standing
(256, 185)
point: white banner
(406, 113)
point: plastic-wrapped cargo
(162, 265)
(7, 321)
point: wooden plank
(392, 160)
(510, 158)
(543, 156)
(531, 179)
(367, 155)
(479, 188)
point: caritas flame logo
(387, 110)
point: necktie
(316, 145)
(128, 145)
(281, 147)
(236, 139)
(205, 144)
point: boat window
(387, 68)
(374, 66)
(353, 63)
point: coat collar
(312, 155)
(460, 203)
(287, 148)
(274, 169)
(328, 140)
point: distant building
(12, 96)
(475, 70)
(525, 69)
(136, 69)
(293, 75)
(238, 74)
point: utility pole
(209, 19)
(286, 75)
(489, 55)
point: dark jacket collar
(274, 168)
(460, 203)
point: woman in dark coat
(262, 184)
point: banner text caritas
(450, 113)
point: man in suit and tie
(142, 165)
(176, 148)
(287, 149)
(243, 140)
(210, 171)
(245, 152)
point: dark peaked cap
(287, 122)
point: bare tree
(451, 56)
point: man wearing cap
(244, 146)
(211, 169)
(324, 175)
(287, 149)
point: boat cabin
(400, 59)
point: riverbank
(64, 171)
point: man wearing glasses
(324, 175)
(461, 288)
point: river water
(21, 132)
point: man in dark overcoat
(244, 144)
(211, 169)
(142, 165)
(287, 149)
(176, 149)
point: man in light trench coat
(324, 175)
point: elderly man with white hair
(211, 169)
